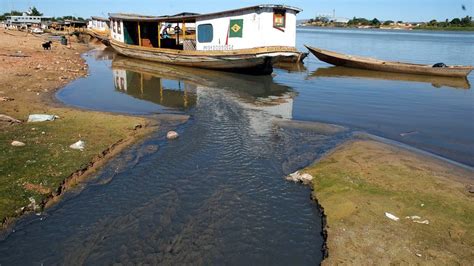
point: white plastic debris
(32, 204)
(391, 216)
(41, 118)
(421, 222)
(417, 219)
(418, 255)
(16, 143)
(80, 145)
(299, 177)
(172, 135)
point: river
(217, 195)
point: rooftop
(193, 16)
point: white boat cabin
(245, 28)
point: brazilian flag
(236, 28)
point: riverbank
(36, 174)
(428, 28)
(363, 183)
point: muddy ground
(34, 174)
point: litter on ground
(80, 145)
(391, 216)
(42, 118)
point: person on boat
(165, 34)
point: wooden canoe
(339, 59)
(250, 61)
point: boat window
(119, 27)
(205, 33)
(279, 18)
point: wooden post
(159, 35)
(184, 30)
(141, 83)
(161, 91)
(139, 35)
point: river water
(217, 194)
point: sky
(406, 10)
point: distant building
(26, 21)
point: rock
(9, 119)
(16, 143)
(470, 188)
(172, 135)
(298, 177)
(6, 99)
(137, 126)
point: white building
(26, 20)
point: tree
(35, 12)
(467, 21)
(455, 22)
(433, 22)
(375, 22)
(388, 22)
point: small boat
(368, 63)
(248, 40)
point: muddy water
(217, 194)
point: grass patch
(42, 165)
(362, 180)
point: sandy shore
(364, 182)
(36, 174)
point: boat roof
(187, 16)
(99, 18)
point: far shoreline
(427, 29)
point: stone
(9, 119)
(300, 177)
(6, 99)
(172, 135)
(16, 143)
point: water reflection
(153, 88)
(344, 72)
(181, 87)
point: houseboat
(248, 40)
(99, 28)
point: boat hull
(338, 59)
(102, 36)
(257, 61)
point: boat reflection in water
(344, 72)
(150, 87)
(181, 87)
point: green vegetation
(364, 22)
(362, 180)
(39, 168)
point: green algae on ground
(360, 181)
(40, 167)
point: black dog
(47, 45)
